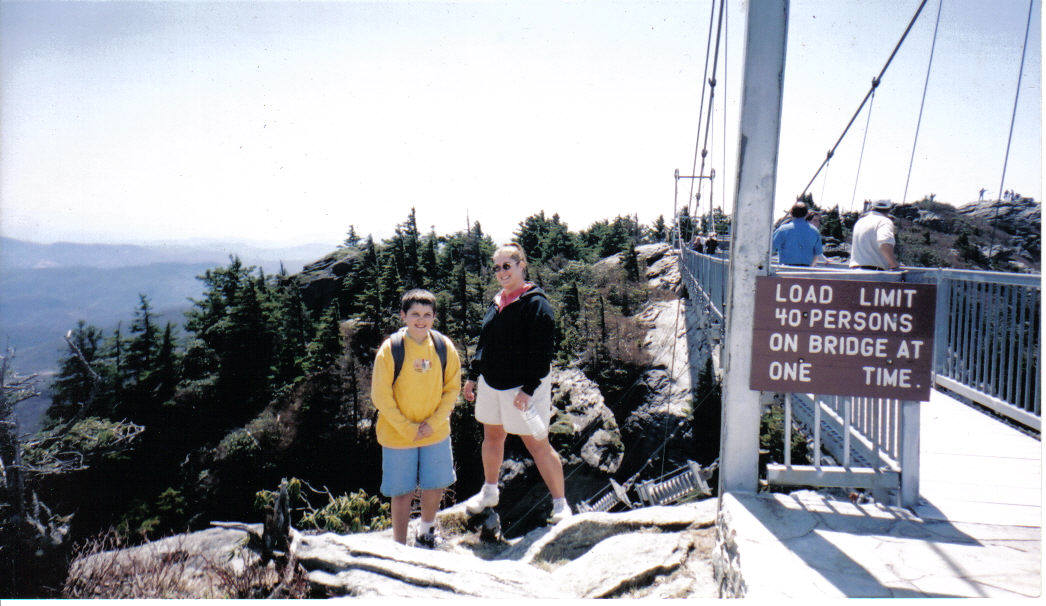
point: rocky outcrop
(585, 434)
(668, 549)
(1015, 216)
(320, 280)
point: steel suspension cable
(711, 105)
(726, 71)
(701, 106)
(875, 84)
(922, 103)
(860, 158)
(1013, 119)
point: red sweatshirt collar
(503, 299)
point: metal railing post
(909, 458)
(765, 43)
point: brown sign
(844, 338)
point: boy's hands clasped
(424, 431)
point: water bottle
(534, 423)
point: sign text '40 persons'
(841, 337)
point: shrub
(354, 512)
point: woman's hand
(424, 431)
(469, 390)
(522, 400)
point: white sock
(490, 488)
(424, 527)
(560, 503)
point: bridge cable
(1013, 118)
(922, 103)
(701, 106)
(875, 84)
(726, 71)
(860, 158)
(711, 105)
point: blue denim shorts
(428, 467)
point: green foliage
(347, 513)
(771, 438)
(326, 348)
(659, 231)
(72, 388)
(353, 512)
(832, 225)
(169, 513)
(544, 239)
(91, 441)
(605, 238)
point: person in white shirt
(873, 239)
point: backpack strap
(399, 351)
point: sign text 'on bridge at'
(842, 337)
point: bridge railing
(987, 335)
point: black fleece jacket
(515, 344)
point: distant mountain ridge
(22, 254)
(46, 288)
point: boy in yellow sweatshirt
(414, 416)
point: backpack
(399, 351)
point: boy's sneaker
(428, 540)
(560, 511)
(482, 500)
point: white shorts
(495, 407)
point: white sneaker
(560, 512)
(482, 500)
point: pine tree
(631, 262)
(352, 239)
(659, 231)
(429, 265)
(326, 347)
(144, 342)
(73, 386)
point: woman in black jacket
(509, 377)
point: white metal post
(765, 42)
(910, 453)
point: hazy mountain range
(46, 288)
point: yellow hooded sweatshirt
(418, 394)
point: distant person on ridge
(417, 376)
(510, 380)
(796, 242)
(873, 239)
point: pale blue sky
(286, 122)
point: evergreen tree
(291, 336)
(831, 225)
(659, 231)
(430, 268)
(685, 225)
(165, 370)
(326, 348)
(144, 342)
(631, 263)
(352, 239)
(72, 387)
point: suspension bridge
(904, 498)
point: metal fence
(986, 348)
(988, 338)
(988, 330)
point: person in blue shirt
(796, 242)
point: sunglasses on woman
(503, 267)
